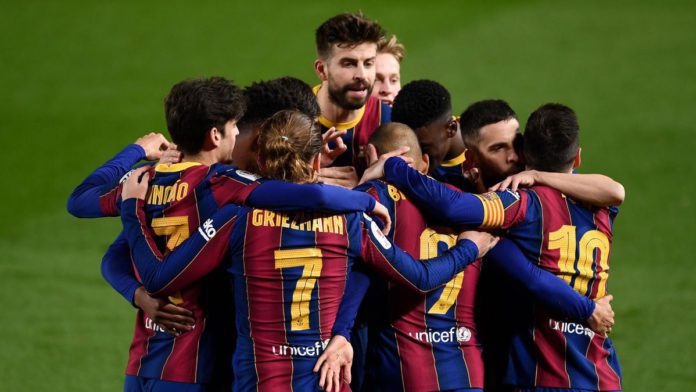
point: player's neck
(207, 158)
(330, 110)
(457, 147)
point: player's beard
(339, 96)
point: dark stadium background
(80, 80)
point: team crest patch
(489, 196)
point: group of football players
(327, 238)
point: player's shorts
(142, 384)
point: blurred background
(80, 80)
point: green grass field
(79, 80)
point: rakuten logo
(461, 334)
(568, 327)
(301, 351)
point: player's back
(574, 242)
(290, 274)
(179, 200)
(425, 341)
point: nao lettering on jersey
(300, 221)
(163, 194)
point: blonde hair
(288, 142)
(392, 46)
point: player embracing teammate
(291, 260)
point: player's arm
(357, 283)
(548, 289)
(117, 270)
(235, 186)
(191, 260)
(309, 197)
(595, 189)
(453, 207)
(98, 195)
(420, 275)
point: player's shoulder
(371, 185)
(230, 172)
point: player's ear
(470, 156)
(320, 69)
(452, 127)
(426, 164)
(316, 162)
(215, 136)
(577, 161)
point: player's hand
(484, 241)
(154, 145)
(344, 176)
(173, 319)
(376, 168)
(382, 213)
(527, 178)
(136, 185)
(328, 155)
(602, 319)
(171, 155)
(334, 364)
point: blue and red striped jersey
(371, 115)
(560, 235)
(422, 341)
(289, 273)
(454, 172)
(180, 197)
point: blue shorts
(142, 384)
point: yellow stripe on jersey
(493, 210)
(458, 160)
(175, 167)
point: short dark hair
(393, 135)
(551, 138)
(421, 102)
(195, 106)
(347, 30)
(482, 113)
(266, 98)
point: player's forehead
(502, 132)
(387, 64)
(360, 52)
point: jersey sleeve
(98, 195)
(489, 210)
(399, 267)
(308, 197)
(117, 269)
(356, 288)
(194, 258)
(546, 288)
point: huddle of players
(304, 259)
